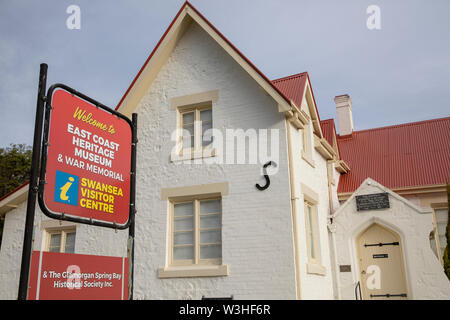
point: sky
(395, 74)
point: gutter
(294, 208)
(332, 230)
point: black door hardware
(382, 244)
(388, 295)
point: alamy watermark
(73, 21)
(374, 19)
(231, 146)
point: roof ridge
(297, 75)
(407, 124)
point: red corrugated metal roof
(328, 130)
(400, 156)
(292, 86)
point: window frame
(312, 230)
(196, 261)
(306, 138)
(308, 142)
(198, 147)
(63, 232)
(436, 231)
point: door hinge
(388, 295)
(382, 244)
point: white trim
(38, 286)
(193, 271)
(14, 200)
(123, 276)
(315, 268)
(192, 191)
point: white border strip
(38, 286)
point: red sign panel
(88, 161)
(67, 276)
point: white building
(203, 229)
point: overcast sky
(398, 74)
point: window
(306, 138)
(441, 218)
(312, 239)
(196, 234)
(311, 210)
(195, 124)
(307, 144)
(195, 231)
(61, 241)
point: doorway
(381, 266)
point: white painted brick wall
(257, 228)
(313, 286)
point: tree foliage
(15, 165)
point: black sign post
(132, 204)
(33, 187)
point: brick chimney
(344, 114)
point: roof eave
(13, 199)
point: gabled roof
(402, 156)
(293, 86)
(186, 15)
(297, 87)
(375, 185)
(328, 130)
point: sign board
(68, 276)
(372, 201)
(86, 161)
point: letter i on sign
(66, 188)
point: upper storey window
(195, 126)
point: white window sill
(308, 158)
(315, 268)
(193, 271)
(191, 155)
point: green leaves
(15, 164)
